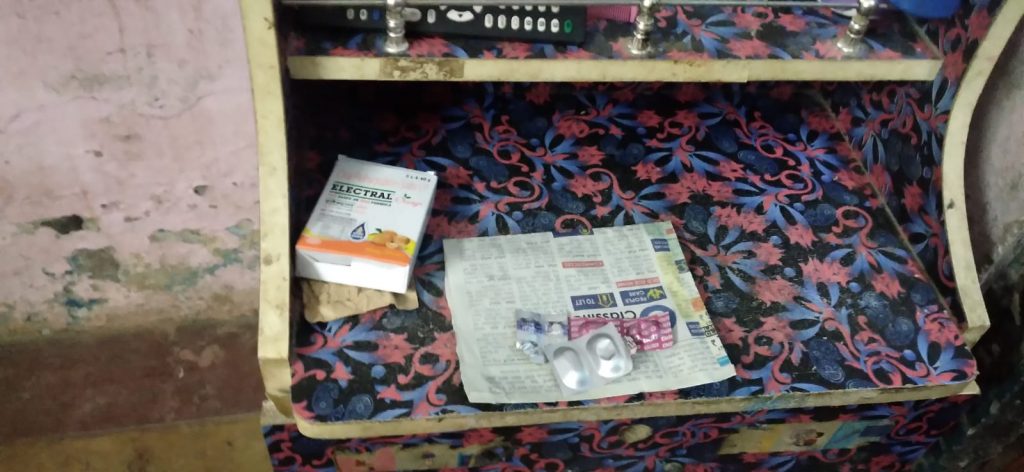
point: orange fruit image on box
(386, 246)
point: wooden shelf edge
(954, 158)
(589, 70)
(270, 415)
(452, 423)
(275, 247)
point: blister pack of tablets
(589, 361)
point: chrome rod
(852, 42)
(396, 42)
(640, 45)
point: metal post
(640, 44)
(396, 42)
(852, 43)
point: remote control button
(412, 14)
(555, 8)
(488, 21)
(515, 7)
(554, 25)
(542, 8)
(363, 14)
(528, 7)
(478, 8)
(431, 16)
(542, 24)
(350, 13)
(567, 26)
(375, 14)
(514, 23)
(528, 23)
(460, 16)
(502, 22)
(501, 7)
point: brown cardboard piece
(327, 302)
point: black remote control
(544, 23)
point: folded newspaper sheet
(623, 272)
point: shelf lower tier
(693, 44)
(814, 291)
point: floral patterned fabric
(684, 443)
(899, 130)
(803, 271)
(681, 33)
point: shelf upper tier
(694, 44)
(813, 290)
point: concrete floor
(222, 444)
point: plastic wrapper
(534, 329)
(650, 333)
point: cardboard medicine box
(367, 226)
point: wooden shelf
(814, 292)
(695, 44)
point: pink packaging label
(651, 333)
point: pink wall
(126, 125)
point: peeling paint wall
(128, 187)
(995, 163)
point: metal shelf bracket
(852, 42)
(395, 42)
(640, 43)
